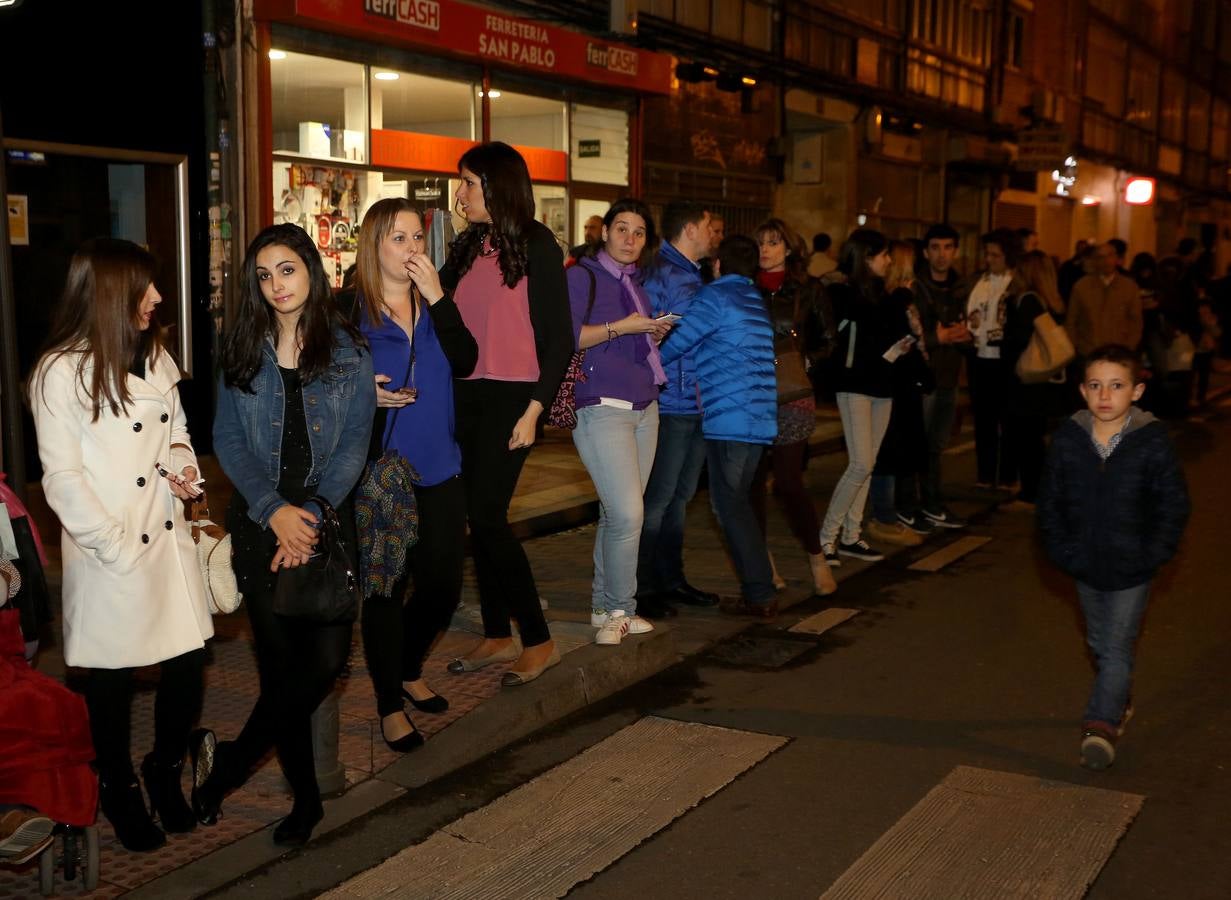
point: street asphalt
(980, 664)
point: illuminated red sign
(1139, 191)
(460, 29)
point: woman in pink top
(506, 275)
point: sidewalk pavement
(555, 489)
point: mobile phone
(193, 486)
(670, 318)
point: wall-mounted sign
(589, 149)
(489, 36)
(19, 220)
(1041, 149)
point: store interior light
(277, 54)
(9, 4)
(748, 81)
(492, 94)
(386, 76)
(1090, 200)
(1139, 191)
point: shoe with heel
(406, 742)
(433, 704)
(124, 807)
(162, 783)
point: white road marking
(934, 562)
(823, 621)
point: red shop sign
(491, 37)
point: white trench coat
(133, 594)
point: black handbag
(326, 589)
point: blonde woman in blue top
(419, 345)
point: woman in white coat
(107, 412)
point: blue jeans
(677, 469)
(884, 501)
(732, 467)
(1113, 620)
(617, 448)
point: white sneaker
(616, 625)
(636, 624)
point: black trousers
(177, 705)
(486, 413)
(297, 662)
(989, 400)
(397, 633)
(1026, 432)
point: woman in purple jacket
(617, 406)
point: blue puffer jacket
(670, 284)
(729, 335)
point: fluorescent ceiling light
(277, 54)
(386, 76)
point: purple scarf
(623, 273)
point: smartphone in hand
(669, 318)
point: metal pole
(12, 442)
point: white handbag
(214, 556)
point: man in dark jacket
(670, 285)
(940, 295)
(1112, 509)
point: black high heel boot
(162, 783)
(125, 809)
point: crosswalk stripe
(823, 621)
(934, 562)
(960, 448)
(998, 835)
(572, 821)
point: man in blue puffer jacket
(728, 330)
(670, 285)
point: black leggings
(486, 414)
(177, 705)
(297, 662)
(397, 634)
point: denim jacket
(340, 406)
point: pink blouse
(499, 318)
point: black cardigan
(550, 315)
(1111, 524)
(878, 326)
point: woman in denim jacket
(295, 406)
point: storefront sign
(19, 220)
(589, 149)
(1041, 149)
(452, 26)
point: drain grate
(761, 651)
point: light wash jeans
(1113, 621)
(617, 448)
(864, 423)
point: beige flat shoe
(466, 664)
(823, 581)
(513, 678)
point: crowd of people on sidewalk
(366, 432)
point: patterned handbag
(563, 412)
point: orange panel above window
(545, 165)
(433, 153)
(422, 152)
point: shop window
(1172, 113)
(536, 126)
(423, 105)
(1198, 118)
(1219, 129)
(551, 208)
(1143, 91)
(600, 145)
(320, 107)
(1106, 56)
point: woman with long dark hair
(294, 415)
(867, 328)
(617, 406)
(506, 274)
(419, 345)
(107, 412)
(797, 310)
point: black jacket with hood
(1112, 523)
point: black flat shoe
(655, 606)
(296, 829)
(433, 704)
(208, 785)
(406, 742)
(690, 595)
